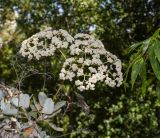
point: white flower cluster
(88, 62)
(45, 43)
(88, 44)
(91, 64)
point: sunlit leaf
(24, 100)
(145, 46)
(15, 101)
(42, 98)
(48, 107)
(8, 109)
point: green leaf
(145, 46)
(154, 62)
(59, 105)
(157, 49)
(143, 75)
(134, 46)
(136, 69)
(59, 129)
(158, 90)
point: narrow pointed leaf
(157, 49)
(59, 105)
(143, 75)
(59, 129)
(136, 69)
(134, 46)
(154, 62)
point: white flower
(45, 43)
(87, 62)
(80, 72)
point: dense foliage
(133, 110)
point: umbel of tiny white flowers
(87, 64)
(45, 43)
(86, 67)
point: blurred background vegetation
(131, 111)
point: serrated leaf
(154, 62)
(48, 107)
(42, 98)
(157, 49)
(136, 69)
(59, 105)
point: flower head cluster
(45, 43)
(90, 64)
(87, 44)
(87, 64)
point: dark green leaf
(143, 75)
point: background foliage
(129, 111)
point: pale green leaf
(42, 98)
(48, 107)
